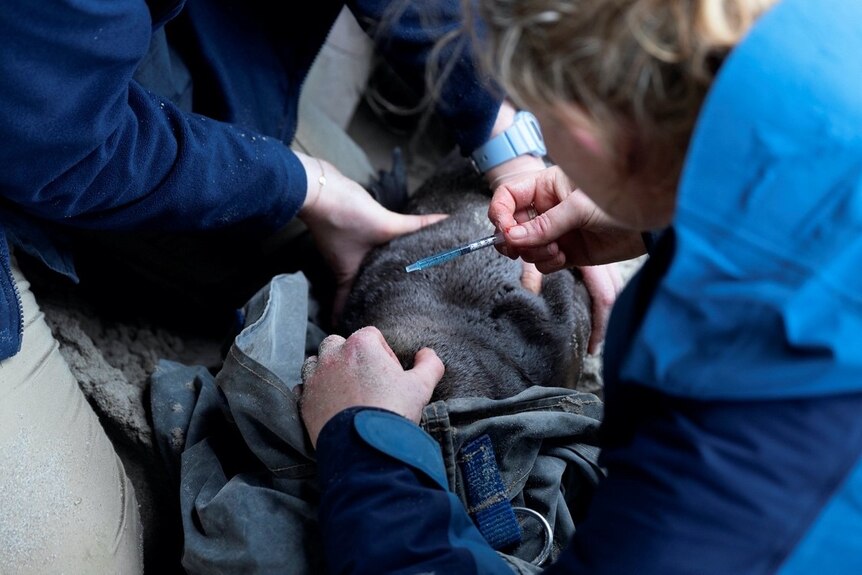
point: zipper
(10, 288)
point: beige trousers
(66, 505)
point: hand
(346, 222)
(362, 370)
(568, 229)
(604, 283)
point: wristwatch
(523, 137)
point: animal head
(495, 337)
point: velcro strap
(487, 500)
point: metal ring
(549, 534)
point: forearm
(89, 147)
(162, 169)
(385, 505)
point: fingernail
(517, 232)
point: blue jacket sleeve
(385, 506)
(420, 37)
(714, 487)
(85, 145)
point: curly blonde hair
(640, 68)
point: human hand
(515, 169)
(346, 222)
(567, 229)
(362, 370)
(604, 283)
(563, 228)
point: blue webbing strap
(487, 501)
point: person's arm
(519, 166)
(426, 45)
(692, 486)
(718, 487)
(87, 146)
(385, 505)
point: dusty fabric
(246, 470)
(238, 447)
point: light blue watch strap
(523, 137)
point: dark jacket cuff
(359, 435)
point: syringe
(455, 252)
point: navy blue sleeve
(85, 145)
(385, 506)
(412, 37)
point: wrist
(505, 117)
(513, 169)
(316, 179)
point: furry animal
(495, 337)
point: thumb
(531, 277)
(543, 229)
(427, 369)
(407, 223)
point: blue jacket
(733, 364)
(85, 145)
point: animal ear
(390, 187)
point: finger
(407, 223)
(544, 228)
(541, 254)
(373, 336)
(603, 284)
(504, 250)
(552, 265)
(547, 263)
(308, 367)
(501, 210)
(531, 278)
(428, 369)
(526, 214)
(330, 346)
